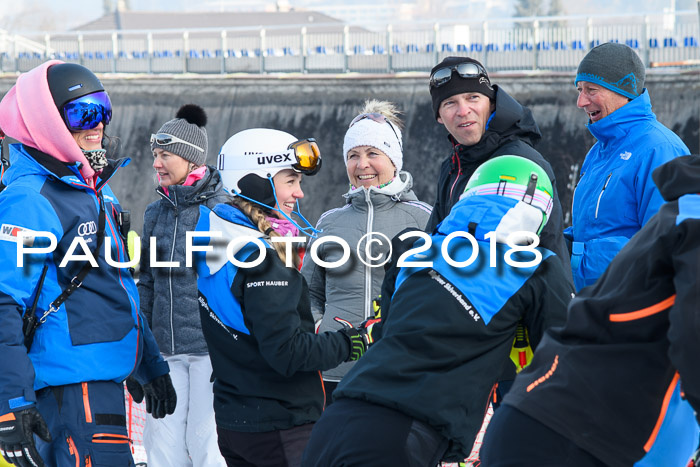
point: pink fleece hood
(29, 115)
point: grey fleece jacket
(169, 294)
(347, 291)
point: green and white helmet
(520, 179)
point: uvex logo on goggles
(464, 70)
(302, 156)
(86, 112)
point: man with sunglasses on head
(483, 122)
(61, 392)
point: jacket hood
(678, 177)
(400, 188)
(29, 115)
(481, 215)
(509, 120)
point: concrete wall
(322, 107)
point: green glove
(357, 338)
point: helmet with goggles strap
(251, 158)
(517, 178)
(79, 96)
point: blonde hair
(386, 108)
(258, 216)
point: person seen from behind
(420, 393)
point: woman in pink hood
(65, 263)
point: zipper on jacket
(86, 404)
(597, 205)
(73, 450)
(368, 270)
(170, 285)
(459, 174)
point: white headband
(381, 135)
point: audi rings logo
(87, 228)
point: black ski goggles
(86, 112)
(464, 70)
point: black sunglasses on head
(464, 70)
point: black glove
(17, 437)
(135, 389)
(358, 338)
(160, 396)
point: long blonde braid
(257, 215)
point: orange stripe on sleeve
(662, 414)
(546, 376)
(8, 417)
(644, 312)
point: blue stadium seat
(577, 45)
(99, 55)
(690, 41)
(395, 49)
(491, 47)
(525, 46)
(244, 53)
(560, 45)
(462, 48)
(509, 46)
(543, 45)
(430, 48)
(670, 42)
(653, 43)
(378, 49)
(476, 47)
(412, 48)
(257, 52)
(320, 49)
(339, 49)
(446, 48)
(193, 54)
(594, 43)
(287, 51)
(633, 43)
(358, 50)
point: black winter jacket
(169, 294)
(604, 380)
(447, 332)
(511, 131)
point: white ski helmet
(251, 158)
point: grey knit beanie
(613, 66)
(188, 125)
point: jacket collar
(194, 194)
(509, 121)
(620, 122)
(26, 160)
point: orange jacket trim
(644, 312)
(662, 415)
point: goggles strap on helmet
(309, 229)
(529, 195)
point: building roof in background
(140, 20)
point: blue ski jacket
(97, 334)
(615, 195)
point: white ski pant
(188, 437)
